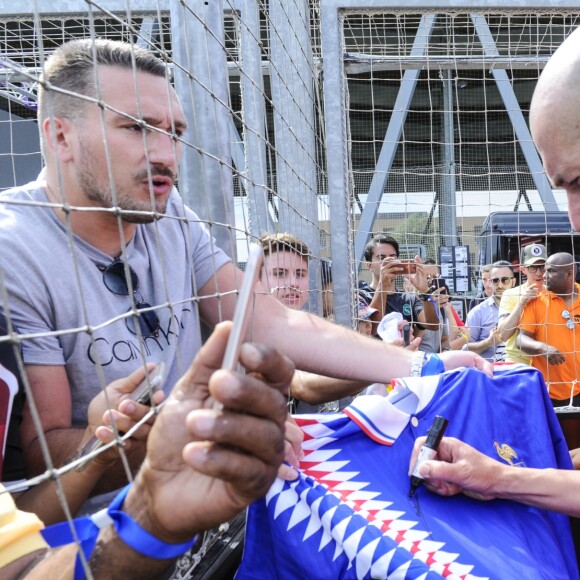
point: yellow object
(509, 300)
(505, 452)
(19, 531)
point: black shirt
(406, 303)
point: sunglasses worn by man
(504, 280)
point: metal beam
(359, 63)
(514, 112)
(335, 121)
(392, 137)
(446, 5)
(292, 82)
(148, 32)
(58, 7)
(237, 147)
(206, 181)
(68, 7)
(446, 186)
(254, 118)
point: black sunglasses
(504, 281)
(116, 282)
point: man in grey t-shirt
(101, 242)
(482, 320)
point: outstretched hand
(204, 465)
(454, 359)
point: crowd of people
(458, 467)
(115, 274)
(119, 274)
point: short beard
(140, 218)
(124, 203)
(102, 197)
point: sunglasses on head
(116, 282)
(504, 281)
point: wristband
(435, 306)
(433, 366)
(417, 363)
(86, 531)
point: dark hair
(430, 262)
(377, 241)
(502, 264)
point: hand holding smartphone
(141, 395)
(409, 266)
(243, 311)
(437, 283)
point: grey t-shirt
(54, 284)
(431, 339)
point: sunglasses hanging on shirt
(569, 322)
(143, 314)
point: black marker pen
(428, 450)
(407, 334)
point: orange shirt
(543, 319)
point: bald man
(555, 125)
(550, 334)
(555, 121)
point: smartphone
(243, 311)
(409, 266)
(151, 383)
(437, 283)
(142, 395)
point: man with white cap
(555, 122)
(513, 300)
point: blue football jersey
(349, 514)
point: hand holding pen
(459, 468)
(427, 451)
